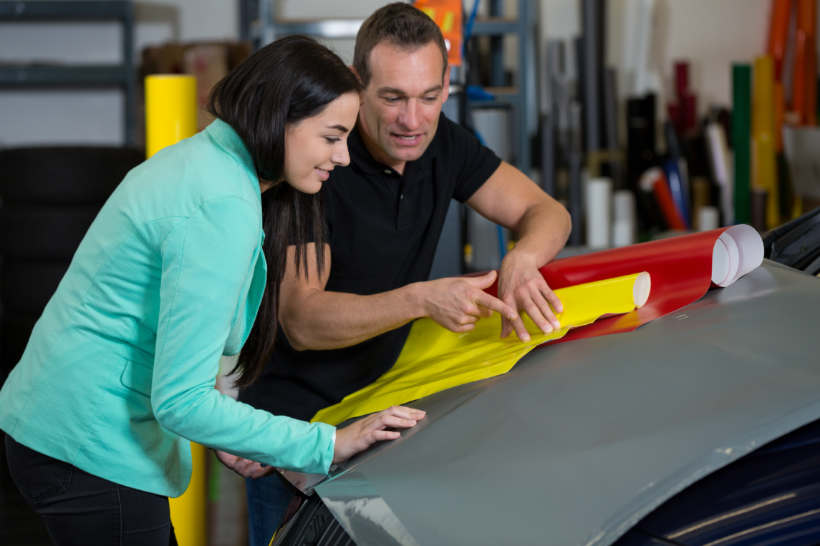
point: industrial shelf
(69, 76)
(121, 75)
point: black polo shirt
(383, 230)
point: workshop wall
(711, 34)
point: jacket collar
(226, 138)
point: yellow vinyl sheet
(434, 359)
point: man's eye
(392, 100)
(430, 98)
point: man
(344, 326)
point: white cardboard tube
(708, 218)
(598, 216)
(623, 212)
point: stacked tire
(48, 199)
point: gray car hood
(581, 440)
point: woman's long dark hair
(285, 82)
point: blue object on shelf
(476, 92)
(672, 170)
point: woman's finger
(381, 435)
(407, 412)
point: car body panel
(771, 496)
(581, 440)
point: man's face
(401, 103)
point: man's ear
(358, 76)
(445, 85)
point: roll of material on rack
(592, 40)
(598, 217)
(638, 15)
(624, 222)
(741, 140)
(764, 166)
(708, 218)
(654, 180)
(170, 116)
(719, 158)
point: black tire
(62, 175)
(44, 233)
(16, 331)
(39, 278)
(49, 196)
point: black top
(383, 232)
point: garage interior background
(710, 35)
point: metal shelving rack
(260, 24)
(519, 98)
(40, 75)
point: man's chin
(407, 153)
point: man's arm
(511, 199)
(314, 318)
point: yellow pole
(170, 116)
(170, 110)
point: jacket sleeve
(206, 262)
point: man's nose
(409, 117)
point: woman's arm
(206, 261)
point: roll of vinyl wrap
(708, 218)
(434, 358)
(599, 203)
(623, 212)
(720, 159)
(671, 273)
(170, 110)
(682, 269)
(741, 140)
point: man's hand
(458, 302)
(367, 431)
(521, 286)
(244, 467)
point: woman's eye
(332, 140)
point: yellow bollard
(170, 116)
(189, 512)
(170, 110)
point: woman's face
(315, 145)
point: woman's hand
(244, 467)
(365, 432)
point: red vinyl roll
(655, 181)
(681, 268)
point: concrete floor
(226, 520)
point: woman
(119, 372)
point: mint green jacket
(119, 372)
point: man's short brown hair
(401, 25)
